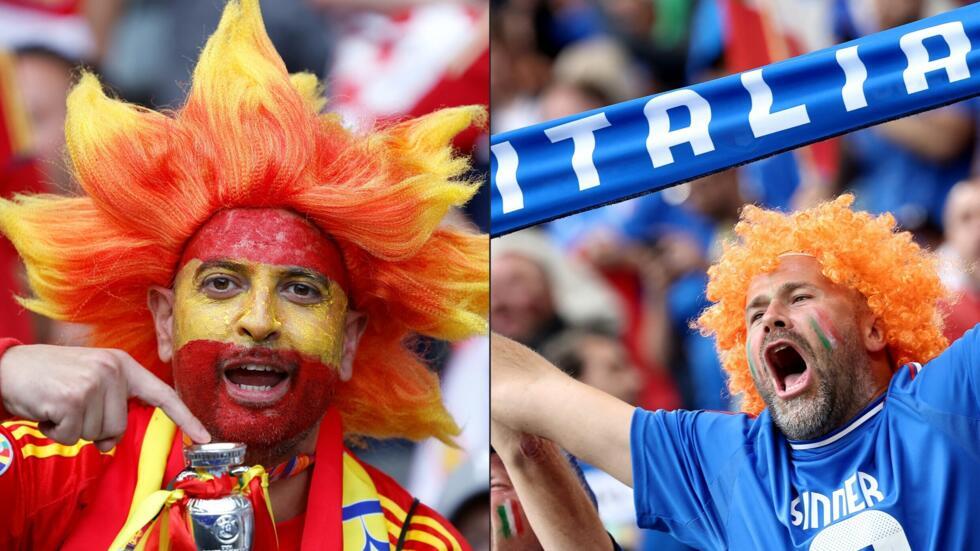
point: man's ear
(161, 303)
(354, 326)
(873, 333)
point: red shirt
(75, 497)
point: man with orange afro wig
(257, 273)
(860, 426)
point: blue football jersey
(903, 474)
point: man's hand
(78, 392)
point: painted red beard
(203, 375)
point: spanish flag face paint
(256, 304)
(259, 321)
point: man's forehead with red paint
(269, 236)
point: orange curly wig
(898, 278)
(250, 135)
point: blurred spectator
(48, 40)
(654, 32)
(19, 173)
(602, 65)
(70, 29)
(44, 78)
(961, 252)
(563, 98)
(535, 292)
(523, 308)
(597, 358)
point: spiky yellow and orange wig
(250, 135)
(898, 278)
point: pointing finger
(147, 387)
(115, 412)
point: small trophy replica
(219, 523)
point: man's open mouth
(787, 367)
(257, 382)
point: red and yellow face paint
(250, 303)
(259, 324)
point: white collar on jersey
(861, 419)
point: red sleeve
(6, 344)
(426, 531)
(42, 482)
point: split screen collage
(489, 275)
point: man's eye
(756, 317)
(303, 292)
(219, 284)
(800, 298)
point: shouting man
(268, 264)
(823, 319)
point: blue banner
(561, 167)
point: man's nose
(775, 318)
(260, 321)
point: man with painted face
(268, 264)
(859, 426)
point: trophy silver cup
(224, 523)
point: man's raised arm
(528, 394)
(555, 500)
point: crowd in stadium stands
(608, 295)
(375, 68)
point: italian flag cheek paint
(748, 354)
(511, 524)
(824, 329)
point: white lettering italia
(816, 510)
(855, 74)
(582, 134)
(510, 190)
(661, 138)
(662, 141)
(762, 118)
(913, 44)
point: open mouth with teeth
(256, 383)
(788, 368)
